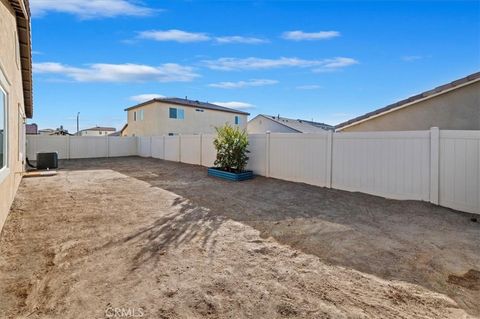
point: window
(140, 115)
(237, 120)
(180, 114)
(134, 116)
(175, 113)
(3, 129)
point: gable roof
(301, 126)
(190, 103)
(414, 99)
(22, 12)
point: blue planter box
(212, 171)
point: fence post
(163, 145)
(151, 151)
(180, 148)
(201, 149)
(267, 153)
(108, 146)
(68, 146)
(434, 165)
(329, 159)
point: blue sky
(327, 61)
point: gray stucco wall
(458, 109)
(261, 124)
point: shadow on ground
(411, 241)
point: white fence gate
(442, 167)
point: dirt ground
(133, 237)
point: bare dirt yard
(134, 237)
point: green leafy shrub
(231, 145)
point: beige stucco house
(276, 124)
(452, 106)
(172, 116)
(97, 131)
(15, 96)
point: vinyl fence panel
(122, 146)
(460, 170)
(144, 144)
(258, 154)
(88, 147)
(299, 157)
(190, 151)
(389, 164)
(157, 147)
(43, 144)
(209, 154)
(172, 148)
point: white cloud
(334, 64)
(243, 84)
(235, 105)
(88, 9)
(145, 97)
(231, 64)
(100, 72)
(309, 87)
(301, 36)
(174, 35)
(240, 39)
(411, 58)
(185, 37)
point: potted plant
(231, 144)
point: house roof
(99, 128)
(191, 103)
(22, 11)
(301, 126)
(119, 133)
(414, 99)
(31, 128)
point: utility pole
(78, 117)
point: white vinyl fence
(71, 147)
(442, 167)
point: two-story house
(97, 131)
(172, 116)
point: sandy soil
(157, 239)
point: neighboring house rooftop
(31, 129)
(119, 133)
(301, 126)
(99, 128)
(58, 131)
(191, 103)
(414, 99)
(22, 12)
